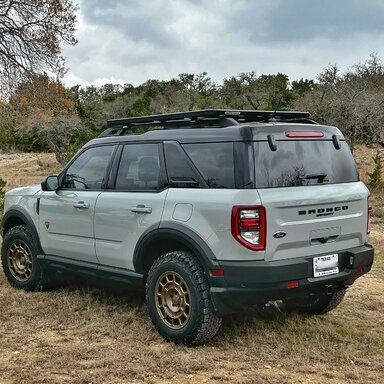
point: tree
(31, 34)
(46, 115)
(329, 75)
(261, 92)
(302, 86)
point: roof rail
(200, 119)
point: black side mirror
(50, 183)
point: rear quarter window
(215, 161)
(302, 163)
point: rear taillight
(249, 227)
(369, 218)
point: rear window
(301, 163)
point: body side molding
(93, 269)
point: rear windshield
(301, 163)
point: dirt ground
(83, 334)
(19, 169)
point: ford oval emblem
(279, 235)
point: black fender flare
(174, 231)
(21, 214)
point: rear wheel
(178, 299)
(19, 259)
(315, 304)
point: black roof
(206, 118)
(211, 126)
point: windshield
(301, 163)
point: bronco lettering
(323, 211)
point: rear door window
(301, 163)
(139, 168)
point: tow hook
(329, 289)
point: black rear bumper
(246, 283)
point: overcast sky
(131, 41)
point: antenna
(254, 106)
(278, 105)
(273, 114)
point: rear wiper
(319, 176)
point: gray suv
(208, 211)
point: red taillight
(293, 284)
(303, 134)
(217, 272)
(249, 223)
(369, 218)
(249, 227)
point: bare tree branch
(31, 34)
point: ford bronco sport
(208, 211)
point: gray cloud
(292, 21)
(134, 40)
(138, 20)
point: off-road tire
(315, 305)
(35, 276)
(202, 324)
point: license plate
(325, 265)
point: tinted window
(215, 163)
(89, 169)
(244, 175)
(300, 163)
(139, 168)
(180, 170)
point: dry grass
(84, 335)
(80, 334)
(19, 169)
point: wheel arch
(18, 216)
(171, 237)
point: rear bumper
(255, 282)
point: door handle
(141, 208)
(81, 205)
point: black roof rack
(201, 119)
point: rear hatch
(308, 183)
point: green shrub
(374, 178)
(3, 183)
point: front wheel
(178, 299)
(19, 258)
(315, 304)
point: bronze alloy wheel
(19, 259)
(173, 300)
(179, 301)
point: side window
(89, 169)
(180, 169)
(139, 168)
(215, 163)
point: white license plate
(325, 265)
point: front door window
(88, 171)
